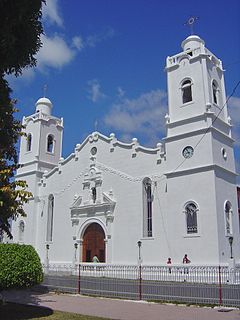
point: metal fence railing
(189, 284)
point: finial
(45, 90)
(190, 23)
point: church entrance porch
(93, 243)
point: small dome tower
(41, 148)
(192, 42)
(44, 105)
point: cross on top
(190, 22)
(44, 90)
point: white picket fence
(173, 273)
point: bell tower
(195, 82)
(197, 103)
(41, 147)
(40, 151)
(199, 151)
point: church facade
(177, 198)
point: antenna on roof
(45, 90)
(190, 22)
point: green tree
(20, 31)
(20, 266)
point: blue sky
(103, 62)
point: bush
(20, 266)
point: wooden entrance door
(93, 243)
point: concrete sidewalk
(116, 309)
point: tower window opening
(50, 143)
(186, 91)
(215, 92)
(49, 236)
(147, 207)
(29, 142)
(191, 218)
(228, 217)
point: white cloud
(51, 12)
(143, 115)
(25, 79)
(234, 107)
(120, 93)
(92, 40)
(95, 90)
(77, 42)
(54, 53)
(28, 74)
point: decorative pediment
(103, 207)
(93, 175)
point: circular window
(93, 151)
(224, 153)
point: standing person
(169, 261)
(185, 260)
(95, 259)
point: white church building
(176, 198)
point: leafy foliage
(13, 194)
(20, 266)
(20, 33)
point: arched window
(50, 143)
(228, 217)
(191, 218)
(29, 142)
(186, 91)
(50, 218)
(147, 207)
(215, 92)
(21, 231)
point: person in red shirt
(185, 259)
(169, 261)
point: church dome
(44, 105)
(192, 42)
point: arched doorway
(93, 243)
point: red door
(93, 243)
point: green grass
(15, 311)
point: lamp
(230, 239)
(47, 257)
(139, 243)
